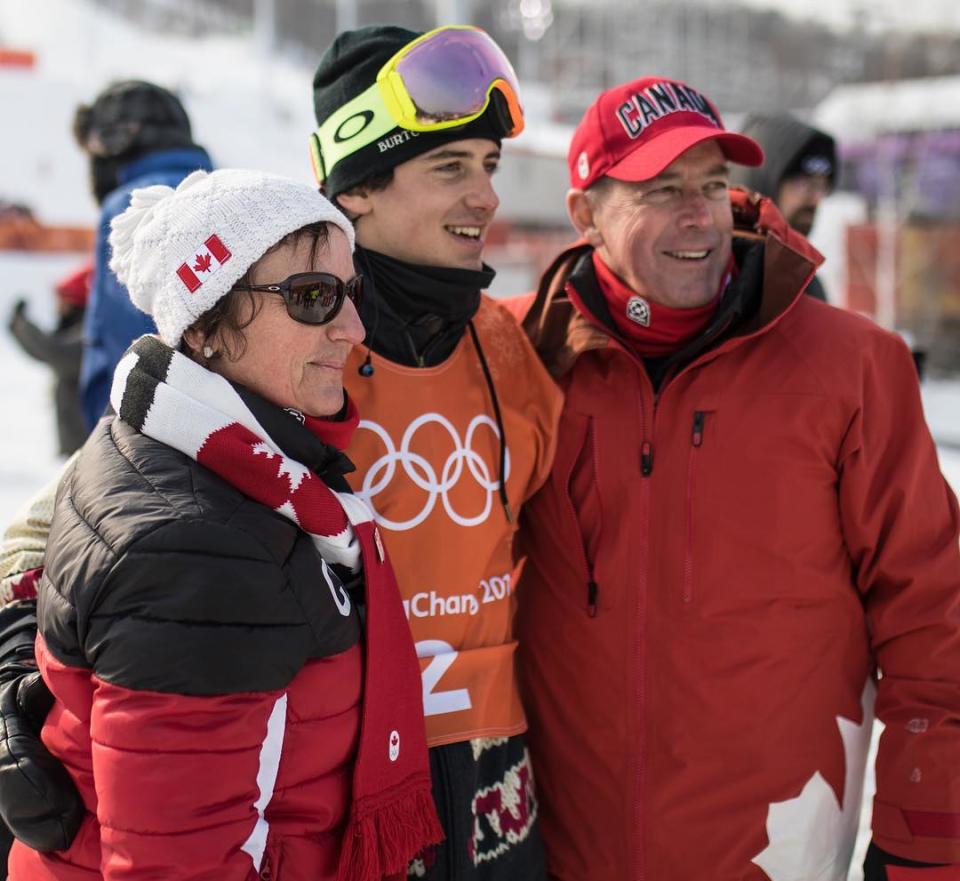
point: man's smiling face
(437, 209)
(669, 238)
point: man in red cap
(745, 523)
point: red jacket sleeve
(901, 527)
(177, 782)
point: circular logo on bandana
(583, 165)
(638, 310)
(394, 745)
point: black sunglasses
(313, 297)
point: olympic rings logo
(423, 475)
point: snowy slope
(248, 113)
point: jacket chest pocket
(579, 501)
(700, 423)
(759, 502)
(598, 491)
(575, 504)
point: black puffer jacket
(193, 642)
(160, 574)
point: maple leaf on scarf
(203, 263)
(289, 468)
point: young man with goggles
(449, 444)
(444, 79)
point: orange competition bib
(427, 452)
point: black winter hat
(347, 69)
(791, 147)
(130, 118)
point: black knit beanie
(347, 69)
(131, 118)
(818, 156)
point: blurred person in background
(61, 349)
(220, 703)
(745, 521)
(799, 170)
(135, 134)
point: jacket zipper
(593, 589)
(696, 441)
(593, 592)
(646, 458)
(646, 445)
(646, 470)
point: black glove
(876, 861)
(38, 800)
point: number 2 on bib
(436, 703)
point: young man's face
(668, 238)
(437, 209)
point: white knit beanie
(179, 251)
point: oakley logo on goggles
(313, 297)
(448, 77)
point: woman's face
(289, 363)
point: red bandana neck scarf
(174, 400)
(654, 330)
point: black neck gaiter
(415, 315)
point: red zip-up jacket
(716, 571)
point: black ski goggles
(314, 297)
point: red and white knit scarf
(176, 401)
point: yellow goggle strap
(357, 124)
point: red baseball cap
(634, 131)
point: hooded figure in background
(136, 134)
(799, 171)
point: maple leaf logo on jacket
(811, 837)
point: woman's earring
(208, 352)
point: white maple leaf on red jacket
(811, 837)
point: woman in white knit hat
(220, 705)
